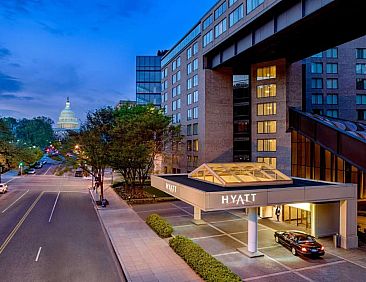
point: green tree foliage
(91, 146)
(139, 135)
(35, 132)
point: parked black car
(299, 243)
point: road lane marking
(11, 179)
(54, 206)
(39, 252)
(15, 201)
(16, 228)
(47, 170)
(226, 254)
(295, 270)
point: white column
(197, 213)
(252, 230)
(348, 224)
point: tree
(92, 144)
(139, 135)
(35, 132)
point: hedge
(205, 265)
(159, 225)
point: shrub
(159, 225)
(205, 265)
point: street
(49, 231)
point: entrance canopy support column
(197, 219)
(252, 248)
(348, 224)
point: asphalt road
(49, 231)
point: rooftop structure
(239, 174)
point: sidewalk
(144, 256)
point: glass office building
(148, 80)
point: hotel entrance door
(297, 216)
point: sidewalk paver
(144, 256)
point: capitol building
(67, 119)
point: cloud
(10, 113)
(9, 97)
(9, 84)
(13, 8)
(4, 52)
(51, 29)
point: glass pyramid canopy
(239, 174)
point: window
(189, 114)
(189, 145)
(361, 99)
(164, 73)
(266, 73)
(164, 97)
(189, 53)
(195, 80)
(174, 92)
(332, 99)
(189, 129)
(220, 28)
(220, 10)
(178, 104)
(332, 53)
(178, 62)
(236, 15)
(189, 83)
(174, 65)
(176, 77)
(332, 83)
(195, 113)
(266, 145)
(207, 22)
(189, 99)
(231, 2)
(361, 84)
(361, 53)
(270, 161)
(264, 127)
(195, 96)
(316, 67)
(176, 118)
(207, 38)
(316, 83)
(332, 113)
(195, 145)
(317, 99)
(361, 114)
(195, 160)
(178, 90)
(360, 68)
(264, 91)
(166, 109)
(195, 48)
(189, 68)
(319, 55)
(266, 109)
(332, 68)
(252, 4)
(195, 129)
(195, 65)
(174, 105)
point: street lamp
(1, 171)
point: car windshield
(304, 239)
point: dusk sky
(84, 49)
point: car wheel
(276, 239)
(293, 251)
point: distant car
(299, 243)
(31, 171)
(3, 188)
(79, 173)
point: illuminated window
(195, 145)
(270, 161)
(189, 145)
(266, 73)
(264, 91)
(266, 109)
(264, 127)
(266, 145)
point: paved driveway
(227, 231)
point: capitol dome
(67, 119)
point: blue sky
(85, 49)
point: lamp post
(1, 171)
